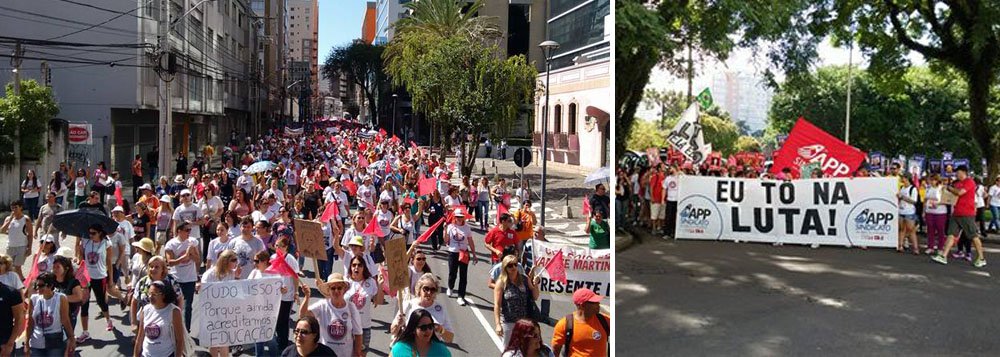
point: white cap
(118, 209)
(185, 192)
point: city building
(581, 87)
(272, 51)
(303, 44)
(387, 12)
(211, 92)
(744, 96)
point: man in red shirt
(657, 211)
(500, 238)
(963, 219)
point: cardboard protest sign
(395, 259)
(583, 268)
(309, 237)
(948, 198)
(831, 211)
(236, 312)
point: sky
(339, 24)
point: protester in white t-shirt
(908, 197)
(994, 196)
(339, 320)
(183, 258)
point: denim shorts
(909, 217)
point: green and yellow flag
(705, 99)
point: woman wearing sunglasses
(426, 290)
(51, 333)
(307, 340)
(339, 320)
(514, 297)
(161, 330)
(419, 339)
(362, 292)
(96, 253)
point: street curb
(623, 241)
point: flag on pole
(557, 268)
(331, 211)
(423, 237)
(118, 194)
(373, 228)
(687, 136)
(362, 160)
(426, 186)
(280, 266)
(705, 98)
(352, 188)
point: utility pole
(850, 78)
(16, 63)
(166, 111)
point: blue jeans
(325, 268)
(188, 290)
(483, 214)
(31, 207)
(258, 348)
(994, 221)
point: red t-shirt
(966, 205)
(656, 185)
(498, 238)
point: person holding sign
(963, 221)
(362, 292)
(289, 282)
(339, 321)
(225, 269)
(261, 261)
(246, 246)
(419, 339)
(461, 250)
(307, 340)
(161, 332)
(48, 319)
(426, 291)
(402, 224)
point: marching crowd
(205, 225)
(646, 196)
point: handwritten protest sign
(309, 236)
(584, 268)
(236, 312)
(395, 258)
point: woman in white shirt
(161, 328)
(224, 269)
(49, 328)
(908, 196)
(461, 251)
(362, 291)
(339, 320)
(935, 215)
(402, 224)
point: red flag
(450, 217)
(118, 194)
(426, 186)
(808, 144)
(352, 188)
(34, 272)
(388, 167)
(331, 211)
(557, 268)
(373, 229)
(409, 200)
(394, 140)
(423, 237)
(83, 275)
(280, 266)
(502, 208)
(362, 160)
(381, 132)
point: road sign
(522, 157)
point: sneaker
(462, 302)
(979, 263)
(928, 251)
(451, 293)
(110, 327)
(940, 259)
(83, 337)
(958, 255)
(968, 257)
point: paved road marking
(486, 325)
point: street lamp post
(546, 47)
(394, 98)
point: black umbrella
(76, 222)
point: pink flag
(352, 188)
(34, 272)
(82, 275)
(373, 229)
(331, 211)
(452, 166)
(280, 266)
(118, 194)
(557, 268)
(423, 237)
(362, 161)
(426, 186)
(586, 207)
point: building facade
(580, 85)
(368, 23)
(744, 96)
(211, 93)
(387, 12)
(303, 42)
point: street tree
(362, 64)
(669, 103)
(30, 112)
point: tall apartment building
(211, 95)
(581, 87)
(272, 16)
(744, 96)
(368, 23)
(303, 42)
(387, 12)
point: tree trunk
(631, 76)
(690, 75)
(980, 79)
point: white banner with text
(585, 268)
(831, 211)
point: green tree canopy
(362, 63)
(920, 114)
(32, 111)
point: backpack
(569, 331)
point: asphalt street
(697, 298)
